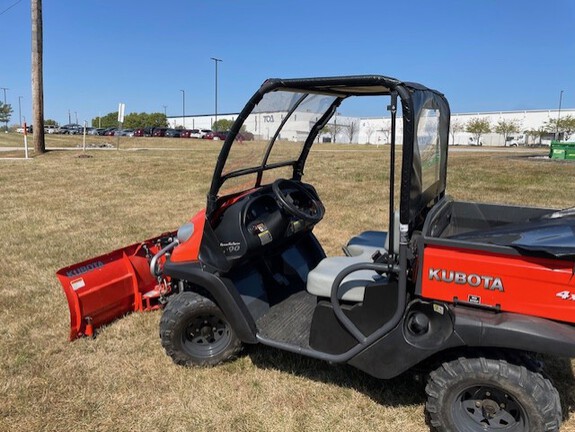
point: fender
(224, 293)
(508, 330)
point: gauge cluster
(260, 221)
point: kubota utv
(476, 289)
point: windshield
(280, 122)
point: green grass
(58, 209)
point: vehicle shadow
(405, 389)
(560, 371)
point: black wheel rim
(206, 336)
(488, 408)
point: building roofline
(514, 111)
(202, 115)
(554, 110)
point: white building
(526, 120)
(377, 130)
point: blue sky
(485, 55)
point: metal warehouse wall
(377, 130)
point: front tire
(194, 331)
(479, 395)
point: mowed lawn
(59, 209)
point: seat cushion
(374, 239)
(352, 288)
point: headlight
(185, 232)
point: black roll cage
(412, 199)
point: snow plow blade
(107, 287)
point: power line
(9, 7)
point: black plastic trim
(224, 292)
(479, 328)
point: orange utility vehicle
(473, 289)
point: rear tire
(479, 395)
(194, 331)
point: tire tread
(532, 385)
(176, 310)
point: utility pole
(20, 110)
(37, 78)
(334, 126)
(216, 61)
(5, 89)
(165, 112)
(558, 116)
(183, 108)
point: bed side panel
(514, 283)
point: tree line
(132, 120)
(141, 120)
(480, 126)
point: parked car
(172, 133)
(200, 133)
(159, 132)
(185, 133)
(220, 135)
(70, 129)
(96, 131)
(139, 132)
(50, 129)
(110, 132)
(245, 136)
(149, 131)
(125, 132)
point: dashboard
(260, 221)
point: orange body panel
(534, 286)
(190, 249)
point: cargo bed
(503, 258)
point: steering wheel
(314, 213)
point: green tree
(157, 120)
(108, 121)
(222, 125)
(350, 130)
(50, 122)
(132, 120)
(5, 113)
(456, 126)
(565, 126)
(538, 133)
(477, 127)
(506, 128)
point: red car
(185, 133)
(139, 132)
(218, 135)
(241, 136)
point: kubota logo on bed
(474, 280)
